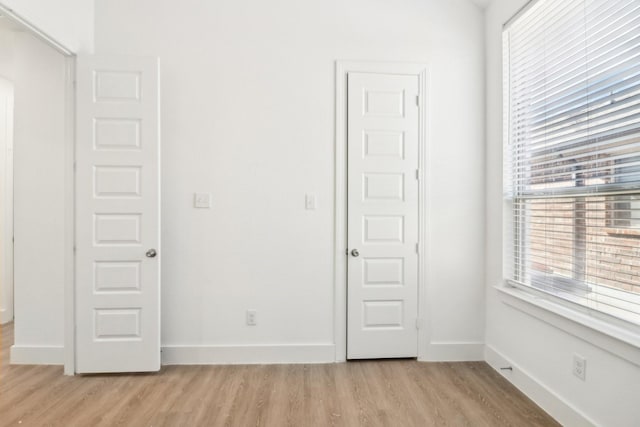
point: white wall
(248, 115)
(6, 200)
(541, 353)
(38, 75)
(6, 68)
(69, 22)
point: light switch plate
(202, 200)
(310, 202)
(252, 317)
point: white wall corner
(37, 355)
(542, 395)
(453, 352)
(247, 354)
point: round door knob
(151, 253)
(355, 253)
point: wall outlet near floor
(252, 317)
(579, 367)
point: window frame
(514, 207)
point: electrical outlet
(202, 200)
(580, 367)
(252, 317)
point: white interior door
(383, 235)
(117, 215)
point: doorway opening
(36, 191)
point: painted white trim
(547, 399)
(424, 260)
(613, 339)
(5, 316)
(37, 355)
(453, 352)
(70, 223)
(340, 240)
(340, 202)
(247, 354)
(14, 17)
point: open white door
(383, 141)
(117, 215)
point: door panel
(383, 216)
(117, 215)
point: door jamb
(70, 218)
(420, 70)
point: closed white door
(117, 215)
(383, 129)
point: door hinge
(75, 167)
(418, 174)
(418, 323)
(418, 248)
(417, 100)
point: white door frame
(69, 183)
(419, 70)
(70, 219)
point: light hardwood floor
(371, 393)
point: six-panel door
(383, 129)
(117, 215)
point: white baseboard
(37, 355)
(453, 352)
(542, 395)
(247, 354)
(5, 316)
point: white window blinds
(572, 158)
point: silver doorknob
(355, 253)
(151, 253)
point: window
(572, 152)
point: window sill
(616, 339)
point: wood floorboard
(365, 393)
